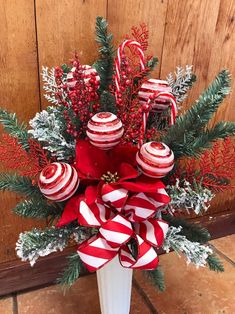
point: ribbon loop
(152, 231)
(114, 196)
(117, 231)
(96, 252)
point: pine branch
(214, 263)
(152, 63)
(107, 101)
(189, 126)
(195, 252)
(37, 208)
(18, 184)
(192, 232)
(104, 65)
(12, 126)
(205, 140)
(71, 272)
(156, 277)
(189, 197)
(35, 243)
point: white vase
(114, 284)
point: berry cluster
(82, 100)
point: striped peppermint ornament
(155, 159)
(151, 87)
(105, 130)
(58, 181)
(89, 74)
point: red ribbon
(131, 220)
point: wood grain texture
(123, 14)
(64, 27)
(201, 33)
(19, 93)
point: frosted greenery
(48, 129)
(189, 197)
(195, 252)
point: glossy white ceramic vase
(114, 284)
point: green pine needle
(186, 136)
(71, 272)
(18, 184)
(107, 101)
(104, 65)
(152, 63)
(204, 141)
(156, 277)
(37, 208)
(12, 126)
(214, 263)
(193, 232)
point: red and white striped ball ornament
(152, 86)
(155, 159)
(105, 130)
(89, 74)
(58, 181)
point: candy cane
(150, 105)
(118, 61)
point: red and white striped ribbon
(93, 215)
(117, 231)
(96, 252)
(118, 60)
(146, 259)
(152, 231)
(114, 196)
(139, 207)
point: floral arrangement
(114, 161)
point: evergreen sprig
(214, 263)
(190, 127)
(205, 139)
(104, 65)
(37, 208)
(193, 232)
(71, 272)
(152, 63)
(14, 128)
(19, 184)
(35, 243)
(156, 277)
(108, 102)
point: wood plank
(18, 276)
(202, 33)
(64, 27)
(19, 93)
(123, 14)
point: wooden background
(47, 32)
